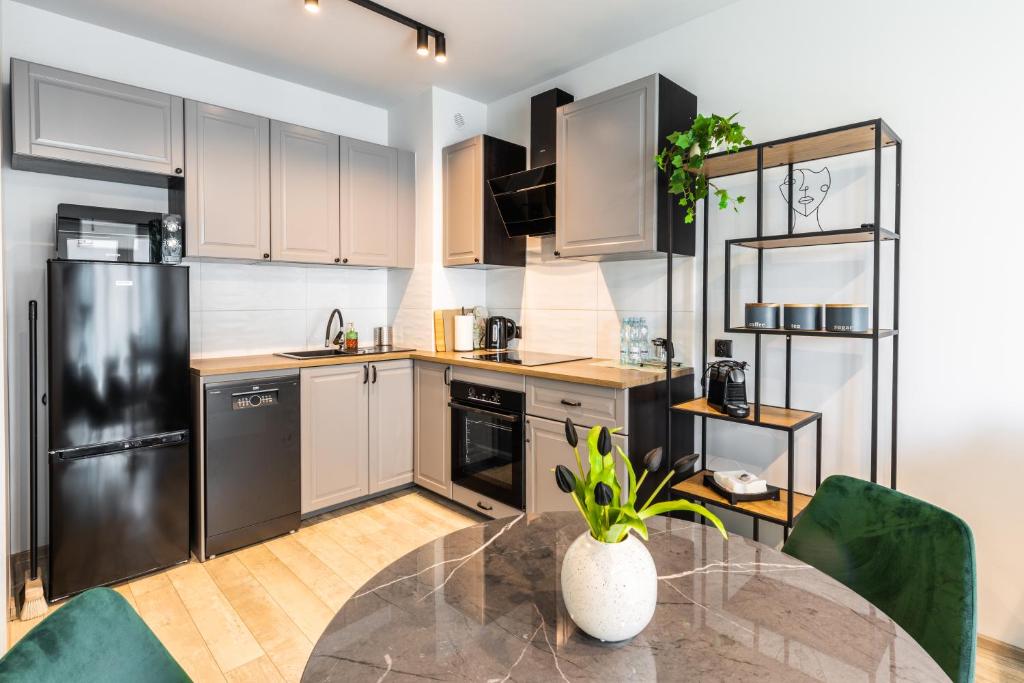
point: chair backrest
(912, 560)
(96, 636)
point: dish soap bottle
(351, 338)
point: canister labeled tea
(802, 316)
(762, 316)
(846, 318)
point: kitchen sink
(331, 353)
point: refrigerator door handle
(156, 441)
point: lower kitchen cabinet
(335, 435)
(546, 448)
(391, 423)
(356, 431)
(432, 428)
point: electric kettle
(500, 331)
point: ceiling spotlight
(439, 53)
(312, 6)
(422, 37)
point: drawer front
(482, 504)
(501, 380)
(586, 405)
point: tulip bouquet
(598, 493)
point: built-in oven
(488, 446)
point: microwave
(95, 233)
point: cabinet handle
(571, 404)
(178, 171)
(366, 373)
(344, 260)
(480, 504)
(448, 376)
(337, 260)
(558, 253)
(476, 260)
(266, 256)
(374, 367)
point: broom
(33, 604)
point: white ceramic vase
(610, 589)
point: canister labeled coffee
(802, 316)
(762, 316)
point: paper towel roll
(464, 332)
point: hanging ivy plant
(683, 160)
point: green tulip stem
(660, 486)
(578, 505)
(643, 475)
(579, 461)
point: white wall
(944, 75)
(236, 308)
(427, 124)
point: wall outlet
(723, 348)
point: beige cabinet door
(391, 421)
(432, 427)
(547, 448)
(369, 204)
(406, 210)
(606, 189)
(462, 178)
(227, 183)
(335, 437)
(66, 116)
(304, 189)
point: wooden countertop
(594, 371)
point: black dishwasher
(251, 476)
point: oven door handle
(473, 409)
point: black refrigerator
(118, 421)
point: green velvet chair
(96, 636)
(910, 559)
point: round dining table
(484, 604)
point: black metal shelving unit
(873, 135)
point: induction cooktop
(525, 358)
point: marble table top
(484, 604)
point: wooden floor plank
(144, 585)
(344, 561)
(126, 592)
(260, 670)
(331, 588)
(299, 602)
(228, 638)
(376, 554)
(280, 637)
(165, 613)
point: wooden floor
(254, 614)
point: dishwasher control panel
(253, 399)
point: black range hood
(526, 199)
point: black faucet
(339, 339)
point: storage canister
(802, 316)
(762, 316)
(846, 317)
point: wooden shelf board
(859, 137)
(815, 239)
(882, 334)
(693, 488)
(772, 417)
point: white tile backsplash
(572, 306)
(243, 308)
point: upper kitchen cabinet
(227, 188)
(304, 190)
(612, 201)
(71, 124)
(377, 205)
(474, 234)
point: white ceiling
(495, 47)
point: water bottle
(645, 340)
(624, 341)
